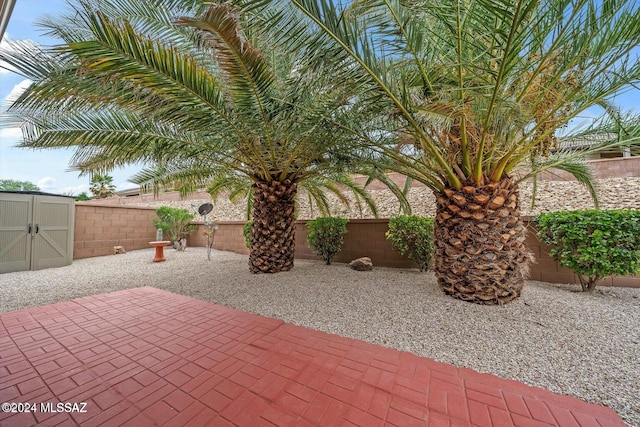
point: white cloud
(75, 190)
(127, 186)
(11, 133)
(17, 90)
(46, 184)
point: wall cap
(107, 205)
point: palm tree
(102, 186)
(198, 100)
(478, 92)
(13, 185)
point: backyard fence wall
(365, 237)
(618, 167)
(99, 228)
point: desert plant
(326, 236)
(412, 236)
(200, 93)
(476, 92)
(246, 232)
(593, 243)
(176, 223)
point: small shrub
(412, 236)
(326, 236)
(246, 232)
(176, 223)
(82, 197)
(593, 243)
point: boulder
(361, 264)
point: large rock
(361, 264)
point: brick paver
(149, 357)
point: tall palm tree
(197, 93)
(102, 186)
(478, 92)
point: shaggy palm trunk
(479, 238)
(273, 230)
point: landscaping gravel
(584, 345)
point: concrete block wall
(149, 198)
(618, 167)
(98, 228)
(365, 237)
(228, 237)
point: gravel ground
(572, 343)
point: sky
(48, 169)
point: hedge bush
(593, 243)
(412, 236)
(246, 232)
(326, 236)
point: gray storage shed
(36, 230)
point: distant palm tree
(204, 99)
(477, 91)
(102, 186)
(13, 185)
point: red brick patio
(147, 357)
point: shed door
(53, 232)
(16, 213)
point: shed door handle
(30, 227)
(37, 228)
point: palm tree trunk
(480, 254)
(273, 230)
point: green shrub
(412, 236)
(326, 236)
(82, 197)
(176, 223)
(246, 232)
(593, 243)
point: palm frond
(510, 74)
(580, 170)
(246, 71)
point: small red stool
(159, 245)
